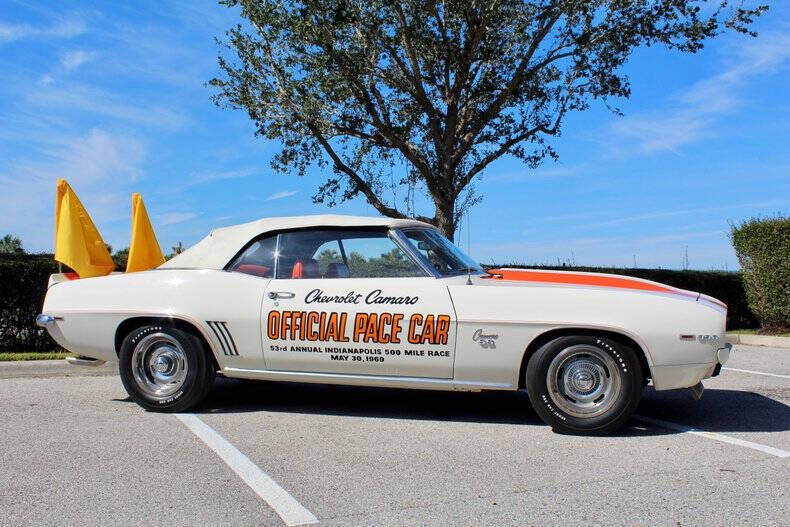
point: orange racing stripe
(527, 275)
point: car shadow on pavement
(232, 396)
(717, 411)
(720, 410)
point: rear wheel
(584, 384)
(165, 369)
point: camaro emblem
(486, 341)
(701, 338)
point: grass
(34, 355)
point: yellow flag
(77, 242)
(144, 251)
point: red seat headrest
(306, 269)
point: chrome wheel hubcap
(159, 365)
(583, 381)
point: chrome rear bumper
(43, 320)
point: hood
(594, 280)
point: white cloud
(210, 177)
(92, 163)
(74, 59)
(66, 29)
(97, 156)
(45, 80)
(75, 96)
(170, 218)
(550, 172)
(282, 194)
(697, 110)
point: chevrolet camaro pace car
(386, 302)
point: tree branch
(359, 183)
(496, 106)
(507, 145)
(416, 75)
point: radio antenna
(468, 250)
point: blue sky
(111, 96)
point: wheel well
(543, 338)
(130, 324)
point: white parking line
(291, 511)
(778, 452)
(758, 373)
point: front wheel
(165, 369)
(585, 385)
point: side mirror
(424, 246)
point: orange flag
(78, 243)
(144, 251)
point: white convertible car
(385, 302)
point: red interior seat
(306, 269)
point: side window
(328, 257)
(342, 253)
(378, 258)
(258, 259)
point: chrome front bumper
(722, 356)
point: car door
(353, 301)
(257, 259)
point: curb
(53, 368)
(759, 340)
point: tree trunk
(445, 218)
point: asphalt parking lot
(77, 451)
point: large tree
(443, 88)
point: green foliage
(725, 286)
(763, 250)
(326, 257)
(120, 258)
(390, 264)
(23, 285)
(445, 88)
(177, 249)
(10, 244)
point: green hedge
(763, 249)
(725, 286)
(23, 284)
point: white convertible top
(215, 250)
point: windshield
(443, 256)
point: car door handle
(275, 295)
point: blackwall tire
(585, 385)
(165, 369)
